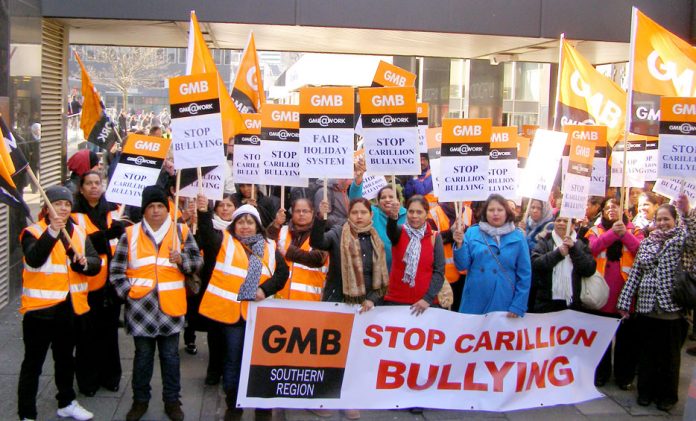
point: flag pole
(558, 82)
(629, 100)
(326, 194)
(176, 210)
(199, 173)
(49, 205)
(282, 197)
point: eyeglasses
(302, 211)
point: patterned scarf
(497, 232)
(247, 292)
(354, 290)
(660, 237)
(412, 255)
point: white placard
(542, 164)
(213, 184)
(576, 191)
(280, 164)
(127, 183)
(325, 153)
(372, 184)
(463, 178)
(503, 177)
(247, 164)
(676, 156)
(392, 151)
(671, 188)
(635, 168)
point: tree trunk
(124, 94)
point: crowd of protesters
(86, 259)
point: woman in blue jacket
(496, 256)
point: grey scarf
(247, 292)
(412, 254)
(497, 232)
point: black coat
(545, 257)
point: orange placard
(423, 111)
(504, 137)
(678, 109)
(466, 130)
(327, 100)
(523, 147)
(389, 75)
(393, 100)
(251, 124)
(280, 116)
(582, 151)
(528, 130)
(151, 146)
(193, 88)
(595, 134)
(304, 338)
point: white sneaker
(75, 411)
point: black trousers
(97, 357)
(216, 350)
(52, 327)
(457, 290)
(625, 355)
(660, 358)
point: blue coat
(486, 288)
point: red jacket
(399, 291)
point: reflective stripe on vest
(304, 282)
(220, 301)
(50, 284)
(149, 268)
(99, 280)
(443, 225)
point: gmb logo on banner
(304, 357)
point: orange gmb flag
(586, 96)
(663, 65)
(199, 60)
(92, 109)
(247, 89)
(9, 194)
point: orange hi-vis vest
(99, 280)
(601, 259)
(443, 225)
(179, 214)
(149, 268)
(304, 283)
(50, 284)
(220, 301)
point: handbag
(684, 288)
(595, 291)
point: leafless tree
(128, 68)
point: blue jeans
(234, 345)
(143, 364)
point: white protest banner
(433, 137)
(212, 186)
(389, 121)
(677, 149)
(326, 355)
(502, 165)
(247, 151)
(280, 146)
(371, 184)
(652, 154)
(423, 112)
(635, 164)
(542, 164)
(138, 167)
(576, 185)
(197, 139)
(671, 188)
(326, 132)
(464, 159)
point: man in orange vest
(148, 271)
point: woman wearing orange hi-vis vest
(148, 271)
(54, 289)
(248, 267)
(97, 359)
(308, 266)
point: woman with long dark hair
(614, 242)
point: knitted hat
(55, 193)
(247, 210)
(152, 194)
